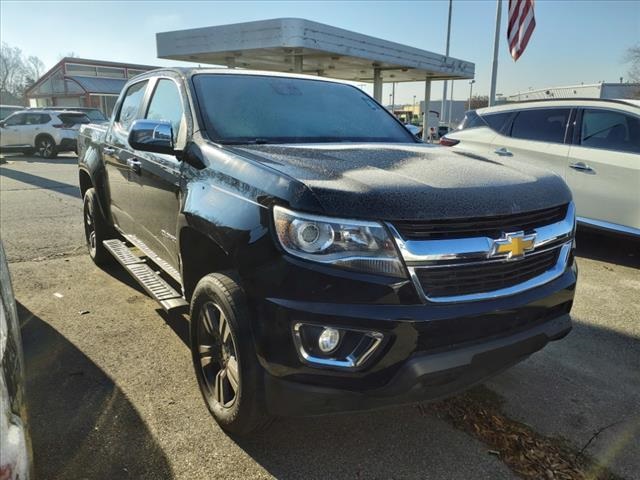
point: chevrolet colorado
(330, 261)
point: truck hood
(415, 181)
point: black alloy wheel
(218, 358)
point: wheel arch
(43, 135)
(200, 255)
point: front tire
(226, 366)
(46, 147)
(96, 229)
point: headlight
(352, 244)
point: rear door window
(610, 130)
(542, 125)
(73, 118)
(471, 120)
(131, 104)
(496, 121)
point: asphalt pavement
(111, 392)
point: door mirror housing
(152, 136)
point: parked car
(15, 455)
(47, 132)
(94, 114)
(593, 144)
(329, 264)
(6, 110)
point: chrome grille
(484, 276)
(446, 269)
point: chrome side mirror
(152, 136)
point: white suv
(593, 144)
(46, 131)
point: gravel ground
(112, 394)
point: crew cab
(330, 261)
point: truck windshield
(262, 109)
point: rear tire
(46, 147)
(229, 375)
(96, 229)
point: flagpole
(443, 105)
(496, 45)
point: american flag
(521, 25)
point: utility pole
(393, 95)
(450, 107)
(444, 88)
(470, 92)
(496, 45)
(413, 109)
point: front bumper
(422, 376)
(430, 350)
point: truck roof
(190, 71)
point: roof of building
(303, 46)
(87, 61)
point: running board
(155, 286)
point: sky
(574, 41)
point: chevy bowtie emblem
(513, 245)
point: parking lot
(111, 392)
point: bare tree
(633, 58)
(17, 72)
(11, 68)
(479, 101)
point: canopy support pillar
(377, 84)
(425, 118)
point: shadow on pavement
(33, 159)
(82, 425)
(41, 182)
(608, 247)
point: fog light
(328, 340)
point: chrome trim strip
(546, 277)
(489, 261)
(350, 362)
(417, 252)
(613, 227)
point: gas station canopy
(302, 46)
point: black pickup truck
(330, 261)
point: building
(595, 90)
(79, 82)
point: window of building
(610, 130)
(110, 72)
(542, 125)
(166, 104)
(79, 69)
(131, 104)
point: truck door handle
(134, 165)
(581, 167)
(108, 150)
(503, 152)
